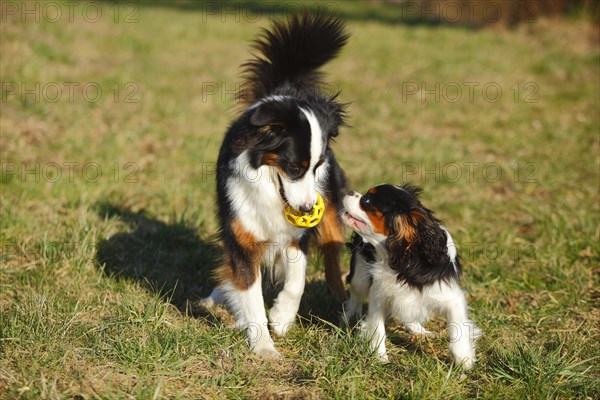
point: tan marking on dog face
(377, 221)
(270, 159)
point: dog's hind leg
(415, 328)
(330, 239)
(216, 297)
(462, 331)
(333, 273)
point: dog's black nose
(306, 209)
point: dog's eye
(365, 202)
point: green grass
(100, 275)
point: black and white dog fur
(405, 264)
(277, 152)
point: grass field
(111, 121)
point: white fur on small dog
(388, 297)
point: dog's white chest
(257, 203)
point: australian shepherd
(277, 154)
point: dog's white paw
(464, 354)
(280, 322)
(281, 329)
(383, 358)
(415, 328)
(468, 363)
(267, 352)
(207, 302)
(215, 298)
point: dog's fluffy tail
(291, 52)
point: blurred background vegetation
(497, 12)
(99, 275)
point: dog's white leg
(374, 326)
(249, 309)
(359, 289)
(283, 312)
(352, 308)
(462, 332)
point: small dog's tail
(291, 53)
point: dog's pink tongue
(353, 222)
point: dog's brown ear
(418, 250)
(419, 232)
(403, 228)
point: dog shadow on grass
(168, 259)
(173, 261)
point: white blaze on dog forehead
(303, 192)
(316, 138)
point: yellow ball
(301, 220)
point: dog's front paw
(464, 354)
(468, 363)
(281, 329)
(280, 322)
(376, 342)
(267, 352)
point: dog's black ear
(263, 115)
(335, 113)
(418, 248)
(273, 113)
(432, 243)
(401, 245)
(271, 119)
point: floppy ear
(402, 231)
(271, 119)
(337, 113)
(432, 243)
(273, 113)
(401, 235)
(417, 234)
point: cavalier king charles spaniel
(405, 264)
